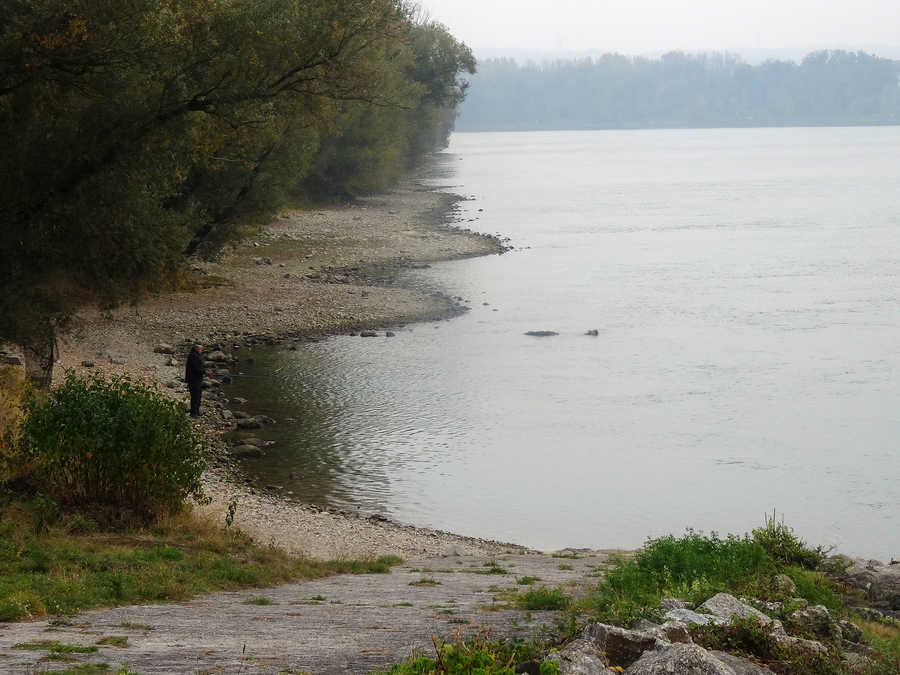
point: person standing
(194, 370)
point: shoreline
(304, 276)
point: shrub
(112, 447)
(543, 598)
(13, 391)
(785, 547)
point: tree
(142, 131)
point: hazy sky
(643, 26)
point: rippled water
(745, 285)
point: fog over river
(745, 288)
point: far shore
(307, 274)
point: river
(745, 289)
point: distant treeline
(682, 90)
(137, 132)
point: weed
(784, 546)
(526, 581)
(113, 641)
(570, 556)
(402, 604)
(55, 647)
(565, 566)
(425, 581)
(543, 598)
(258, 600)
(479, 656)
(130, 625)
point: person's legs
(195, 401)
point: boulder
(818, 621)
(10, 360)
(248, 423)
(592, 332)
(850, 631)
(163, 348)
(741, 666)
(621, 646)
(368, 333)
(247, 452)
(227, 415)
(541, 333)
(239, 401)
(726, 606)
(217, 356)
(674, 603)
(785, 585)
(87, 364)
(687, 616)
(580, 657)
(679, 660)
(264, 419)
(241, 415)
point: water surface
(745, 285)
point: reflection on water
(744, 285)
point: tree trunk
(39, 359)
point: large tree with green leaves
(141, 131)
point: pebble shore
(306, 274)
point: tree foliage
(139, 131)
(680, 90)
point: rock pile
(672, 647)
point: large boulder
(679, 660)
(741, 666)
(581, 657)
(621, 646)
(687, 617)
(818, 621)
(727, 606)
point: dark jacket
(194, 369)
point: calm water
(746, 289)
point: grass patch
(884, 637)
(526, 581)
(478, 656)
(402, 604)
(425, 581)
(543, 598)
(570, 556)
(130, 625)
(565, 566)
(50, 570)
(113, 641)
(258, 600)
(55, 647)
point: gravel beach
(305, 274)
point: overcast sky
(652, 26)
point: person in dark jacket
(194, 370)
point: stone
(741, 666)
(593, 332)
(164, 348)
(217, 356)
(87, 364)
(247, 452)
(256, 442)
(248, 423)
(674, 603)
(241, 415)
(687, 616)
(171, 362)
(541, 333)
(227, 414)
(10, 360)
(856, 664)
(675, 631)
(264, 419)
(850, 631)
(239, 400)
(817, 620)
(679, 660)
(173, 384)
(368, 333)
(726, 606)
(390, 333)
(621, 646)
(580, 657)
(785, 585)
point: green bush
(114, 448)
(543, 598)
(784, 546)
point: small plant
(229, 514)
(478, 656)
(113, 641)
(543, 598)
(565, 567)
(526, 581)
(784, 546)
(55, 647)
(425, 581)
(258, 600)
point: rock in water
(541, 333)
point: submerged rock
(541, 333)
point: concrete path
(342, 624)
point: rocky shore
(305, 275)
